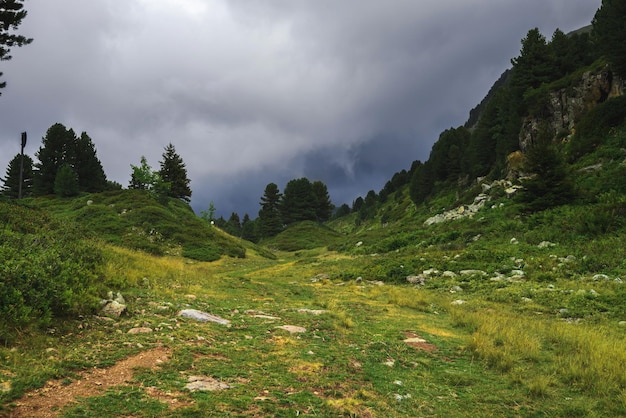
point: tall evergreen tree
(550, 184)
(233, 225)
(298, 202)
(269, 222)
(56, 150)
(61, 147)
(66, 182)
(91, 177)
(609, 32)
(248, 230)
(11, 15)
(535, 65)
(173, 171)
(12, 180)
(323, 206)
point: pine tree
(233, 225)
(248, 230)
(61, 147)
(173, 171)
(56, 150)
(323, 206)
(269, 222)
(298, 202)
(12, 180)
(11, 16)
(91, 177)
(609, 33)
(550, 184)
(66, 182)
(535, 65)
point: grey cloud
(258, 91)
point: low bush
(46, 270)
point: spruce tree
(91, 177)
(11, 16)
(298, 202)
(549, 184)
(173, 171)
(248, 229)
(323, 206)
(66, 182)
(61, 147)
(56, 150)
(12, 180)
(269, 222)
(609, 33)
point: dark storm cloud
(253, 91)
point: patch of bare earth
(418, 342)
(55, 395)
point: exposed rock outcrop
(567, 105)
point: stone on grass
(205, 383)
(140, 330)
(203, 316)
(293, 329)
(312, 311)
(420, 279)
(112, 309)
(458, 302)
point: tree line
(67, 165)
(301, 200)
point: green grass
(539, 333)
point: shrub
(46, 270)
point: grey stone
(202, 316)
(112, 309)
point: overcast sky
(252, 92)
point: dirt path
(48, 400)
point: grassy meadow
(509, 314)
(547, 342)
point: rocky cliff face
(566, 106)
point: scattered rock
(203, 316)
(112, 309)
(312, 311)
(449, 274)
(600, 277)
(430, 272)
(389, 362)
(319, 277)
(514, 241)
(455, 289)
(546, 244)
(376, 282)
(293, 329)
(458, 302)
(205, 383)
(400, 398)
(358, 244)
(420, 279)
(140, 330)
(472, 273)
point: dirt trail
(50, 399)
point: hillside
(134, 219)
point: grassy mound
(134, 219)
(303, 236)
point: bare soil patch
(55, 395)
